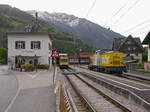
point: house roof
(147, 39)
(138, 41)
(33, 28)
(30, 33)
(118, 42)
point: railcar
(63, 61)
(108, 62)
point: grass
(143, 71)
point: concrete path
(27, 91)
(8, 87)
(34, 100)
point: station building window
(35, 44)
(20, 44)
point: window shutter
(39, 45)
(23, 44)
(31, 44)
(16, 45)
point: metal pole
(54, 70)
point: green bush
(3, 56)
(142, 70)
(26, 65)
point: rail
(121, 91)
(117, 104)
(136, 78)
(84, 101)
(109, 99)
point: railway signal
(55, 54)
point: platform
(34, 92)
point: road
(27, 91)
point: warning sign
(55, 54)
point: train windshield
(63, 60)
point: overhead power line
(93, 4)
(139, 33)
(131, 7)
(117, 12)
(134, 27)
(141, 29)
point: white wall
(139, 57)
(44, 52)
(96, 59)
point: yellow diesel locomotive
(107, 61)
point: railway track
(135, 78)
(82, 105)
(130, 77)
(92, 99)
(79, 102)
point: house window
(35, 44)
(20, 44)
(136, 54)
(129, 42)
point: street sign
(55, 54)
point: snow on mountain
(86, 30)
(57, 17)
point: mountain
(88, 31)
(12, 18)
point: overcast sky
(132, 13)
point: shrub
(26, 65)
(142, 70)
(3, 56)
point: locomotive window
(116, 57)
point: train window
(64, 60)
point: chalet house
(146, 41)
(30, 45)
(132, 48)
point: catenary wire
(141, 29)
(131, 7)
(134, 27)
(117, 12)
(139, 33)
(93, 4)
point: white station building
(29, 46)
